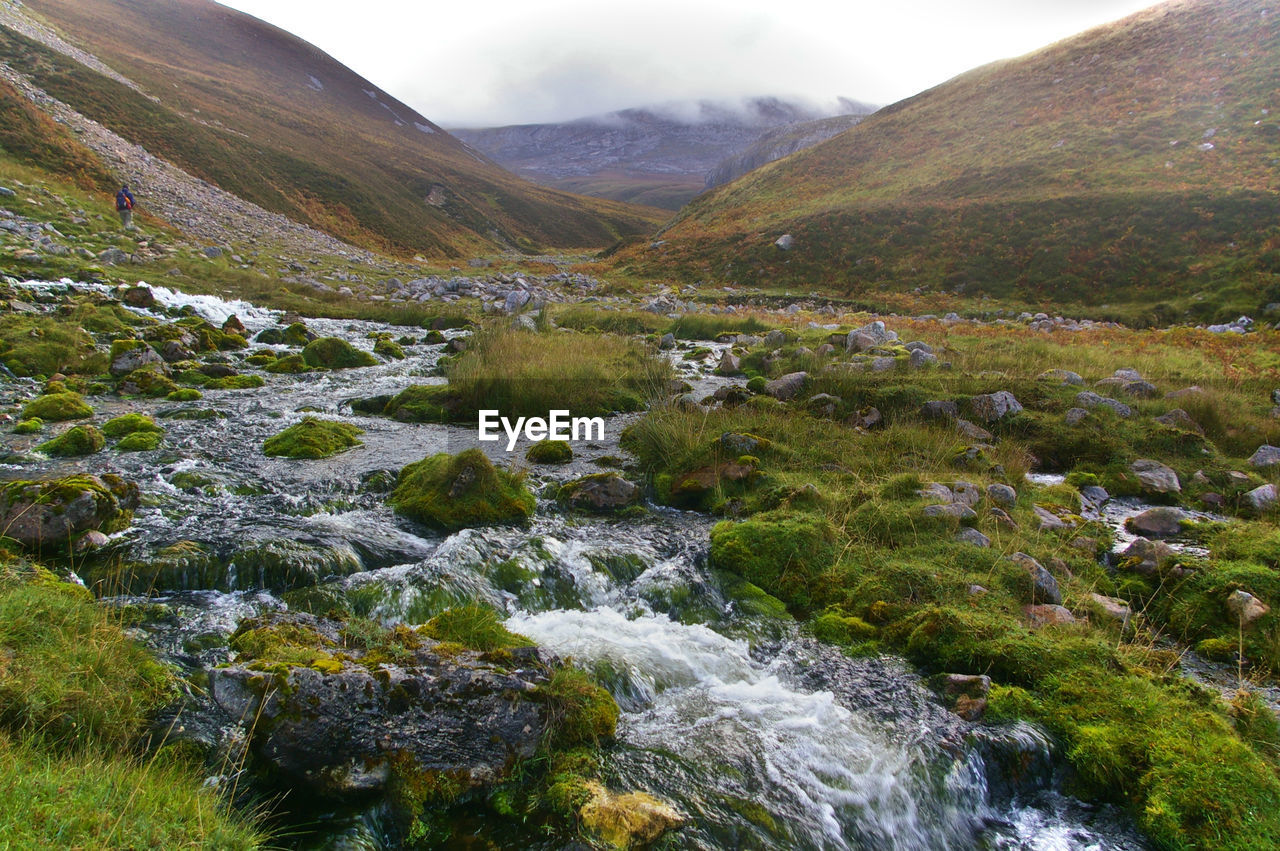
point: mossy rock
(74, 442)
(31, 426)
(146, 381)
(235, 382)
(582, 713)
(389, 349)
(57, 407)
(313, 438)
(455, 491)
(140, 441)
(297, 334)
(550, 452)
(784, 553)
(126, 424)
(185, 394)
(420, 403)
(336, 353)
(290, 365)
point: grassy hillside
(268, 117)
(1135, 162)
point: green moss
(31, 426)
(550, 452)
(260, 640)
(313, 438)
(580, 712)
(76, 441)
(419, 403)
(235, 382)
(297, 334)
(128, 424)
(474, 627)
(120, 347)
(335, 353)
(185, 394)
(454, 491)
(782, 552)
(288, 365)
(57, 407)
(140, 441)
(147, 381)
(389, 349)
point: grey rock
(878, 332)
(991, 407)
(668, 341)
(966, 492)
(729, 364)
(1044, 588)
(1146, 557)
(736, 444)
(857, 341)
(1141, 389)
(113, 257)
(1127, 374)
(1049, 522)
(1262, 498)
(1266, 456)
(786, 387)
(883, 364)
(775, 338)
(1111, 609)
(920, 358)
(213, 252)
(1002, 495)
(1041, 616)
(1062, 376)
(337, 734)
(1089, 399)
(1159, 522)
(956, 510)
(600, 492)
(937, 492)
(1179, 419)
(785, 242)
(973, 536)
(1246, 607)
(973, 432)
(1075, 416)
(49, 514)
(1155, 477)
(136, 358)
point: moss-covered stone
(140, 441)
(297, 334)
(582, 713)
(289, 365)
(313, 438)
(235, 382)
(57, 407)
(632, 820)
(389, 349)
(420, 403)
(126, 424)
(76, 441)
(185, 394)
(51, 513)
(784, 553)
(335, 353)
(455, 491)
(147, 381)
(550, 452)
(31, 426)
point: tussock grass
(526, 373)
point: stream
(762, 736)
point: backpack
(123, 201)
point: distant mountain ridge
(1136, 162)
(659, 155)
(272, 119)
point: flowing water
(765, 738)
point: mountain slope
(1135, 162)
(658, 154)
(779, 143)
(274, 120)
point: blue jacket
(124, 200)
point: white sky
(489, 62)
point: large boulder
(335, 353)
(128, 355)
(51, 514)
(334, 725)
(1266, 456)
(991, 407)
(785, 388)
(1155, 477)
(600, 492)
(1157, 522)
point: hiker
(124, 206)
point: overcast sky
(489, 62)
